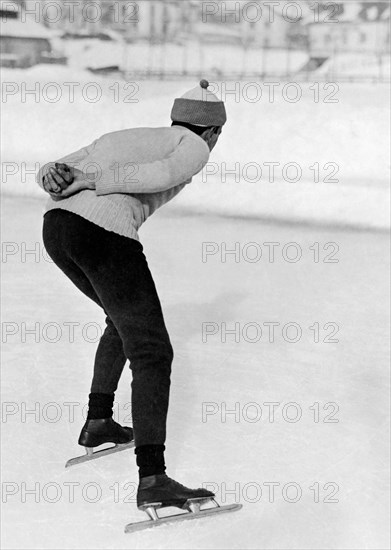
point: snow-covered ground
(347, 65)
(328, 143)
(333, 460)
(207, 58)
(191, 56)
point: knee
(159, 356)
(110, 326)
(169, 353)
(164, 355)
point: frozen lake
(293, 424)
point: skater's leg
(110, 357)
(109, 363)
(110, 352)
(135, 310)
(127, 291)
(118, 272)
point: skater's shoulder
(125, 133)
(139, 136)
(170, 133)
(138, 131)
(155, 141)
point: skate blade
(150, 523)
(90, 455)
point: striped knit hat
(199, 107)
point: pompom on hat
(200, 107)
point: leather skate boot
(95, 432)
(162, 490)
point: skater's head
(200, 111)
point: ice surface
(351, 454)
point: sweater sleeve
(73, 159)
(188, 158)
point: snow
(240, 456)
(350, 65)
(193, 56)
(350, 12)
(340, 130)
(26, 29)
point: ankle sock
(150, 460)
(100, 405)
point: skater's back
(135, 171)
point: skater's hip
(65, 229)
(122, 218)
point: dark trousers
(113, 271)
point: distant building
(163, 20)
(24, 43)
(354, 46)
(168, 21)
(254, 23)
(275, 35)
(368, 32)
(9, 10)
(156, 20)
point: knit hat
(199, 107)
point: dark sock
(100, 405)
(150, 460)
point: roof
(25, 29)
(375, 11)
(351, 12)
(9, 5)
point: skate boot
(160, 491)
(95, 432)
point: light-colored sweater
(137, 171)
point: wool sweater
(135, 172)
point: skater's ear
(211, 135)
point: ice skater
(90, 231)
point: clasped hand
(62, 181)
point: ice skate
(96, 432)
(160, 491)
